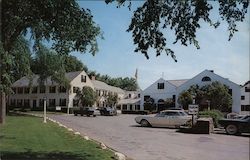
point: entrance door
(34, 103)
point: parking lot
(124, 135)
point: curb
(118, 155)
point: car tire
(231, 129)
(144, 123)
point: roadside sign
(193, 109)
(58, 108)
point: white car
(166, 118)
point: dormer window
(83, 78)
(160, 86)
(204, 79)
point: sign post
(44, 110)
(193, 109)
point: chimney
(92, 77)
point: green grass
(26, 137)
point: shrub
(215, 114)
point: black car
(88, 111)
(108, 111)
(236, 126)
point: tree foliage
(87, 96)
(71, 64)
(216, 93)
(150, 21)
(112, 99)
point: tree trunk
(2, 108)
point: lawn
(26, 137)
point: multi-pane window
(247, 89)
(26, 90)
(52, 102)
(83, 78)
(19, 102)
(62, 102)
(42, 89)
(20, 90)
(242, 97)
(62, 89)
(52, 89)
(41, 102)
(204, 79)
(245, 107)
(34, 90)
(160, 86)
(124, 107)
(13, 102)
(27, 103)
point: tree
(68, 28)
(183, 17)
(71, 64)
(219, 96)
(112, 99)
(185, 98)
(169, 103)
(87, 96)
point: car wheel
(232, 129)
(144, 123)
(75, 114)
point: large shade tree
(184, 17)
(86, 96)
(61, 22)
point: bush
(215, 114)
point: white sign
(193, 109)
(58, 108)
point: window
(204, 79)
(27, 103)
(34, 90)
(26, 90)
(52, 102)
(41, 102)
(52, 89)
(62, 89)
(131, 107)
(242, 97)
(83, 78)
(174, 97)
(245, 107)
(75, 89)
(62, 102)
(247, 89)
(139, 95)
(230, 92)
(42, 89)
(19, 102)
(129, 95)
(160, 86)
(20, 90)
(146, 97)
(137, 107)
(172, 114)
(13, 102)
(124, 107)
(75, 102)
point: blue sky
(116, 56)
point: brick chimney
(92, 77)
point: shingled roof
(103, 86)
(34, 80)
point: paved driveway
(124, 135)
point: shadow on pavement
(42, 156)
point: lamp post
(44, 110)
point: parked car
(88, 111)
(108, 111)
(166, 118)
(237, 125)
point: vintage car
(88, 111)
(108, 111)
(236, 125)
(166, 118)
